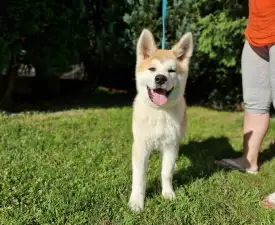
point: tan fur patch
(162, 56)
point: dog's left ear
(184, 48)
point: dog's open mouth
(159, 96)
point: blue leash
(164, 11)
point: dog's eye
(153, 69)
(171, 71)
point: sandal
(229, 163)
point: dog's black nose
(160, 79)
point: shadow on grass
(101, 98)
(202, 155)
(268, 154)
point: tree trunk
(6, 101)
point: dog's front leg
(140, 158)
(169, 156)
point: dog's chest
(158, 128)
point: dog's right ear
(145, 45)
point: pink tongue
(159, 97)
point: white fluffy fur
(158, 127)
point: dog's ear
(145, 45)
(184, 48)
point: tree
(52, 33)
(111, 50)
(221, 26)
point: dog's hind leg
(169, 156)
(139, 166)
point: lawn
(74, 167)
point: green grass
(74, 167)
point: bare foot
(269, 201)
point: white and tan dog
(159, 114)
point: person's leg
(255, 127)
(272, 70)
(257, 100)
(269, 201)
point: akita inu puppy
(159, 111)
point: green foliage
(215, 41)
(109, 48)
(221, 39)
(147, 14)
(51, 32)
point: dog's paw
(170, 195)
(136, 203)
(135, 206)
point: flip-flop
(229, 163)
(269, 201)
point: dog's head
(161, 74)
